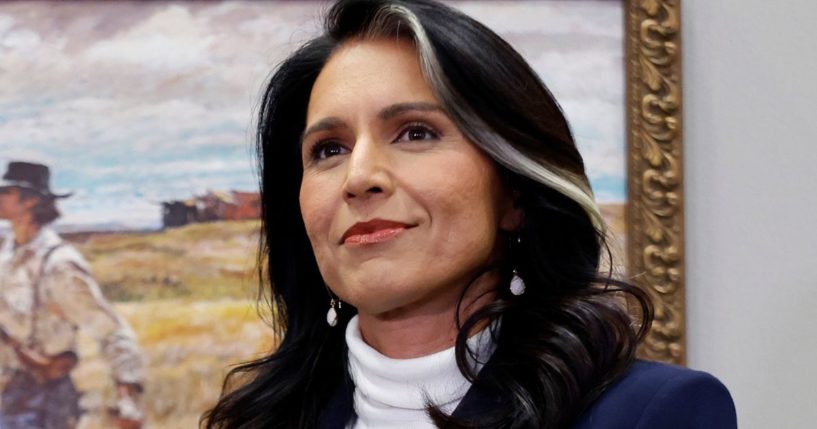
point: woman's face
(401, 210)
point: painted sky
(133, 103)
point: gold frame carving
(655, 209)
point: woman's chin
(377, 300)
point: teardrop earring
(517, 285)
(332, 314)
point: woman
(433, 246)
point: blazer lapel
(480, 397)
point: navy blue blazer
(655, 395)
(649, 395)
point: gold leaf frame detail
(655, 210)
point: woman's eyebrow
(324, 124)
(397, 109)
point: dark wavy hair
(558, 346)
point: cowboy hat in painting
(29, 175)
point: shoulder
(652, 395)
(62, 256)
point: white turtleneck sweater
(393, 393)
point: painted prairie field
(189, 294)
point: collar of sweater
(390, 392)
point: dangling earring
(517, 285)
(332, 314)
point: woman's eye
(327, 149)
(417, 132)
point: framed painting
(143, 112)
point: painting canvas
(144, 111)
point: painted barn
(212, 206)
(178, 213)
(246, 205)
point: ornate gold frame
(655, 209)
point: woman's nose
(368, 172)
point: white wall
(750, 111)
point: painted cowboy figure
(47, 294)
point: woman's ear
(512, 214)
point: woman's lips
(373, 231)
